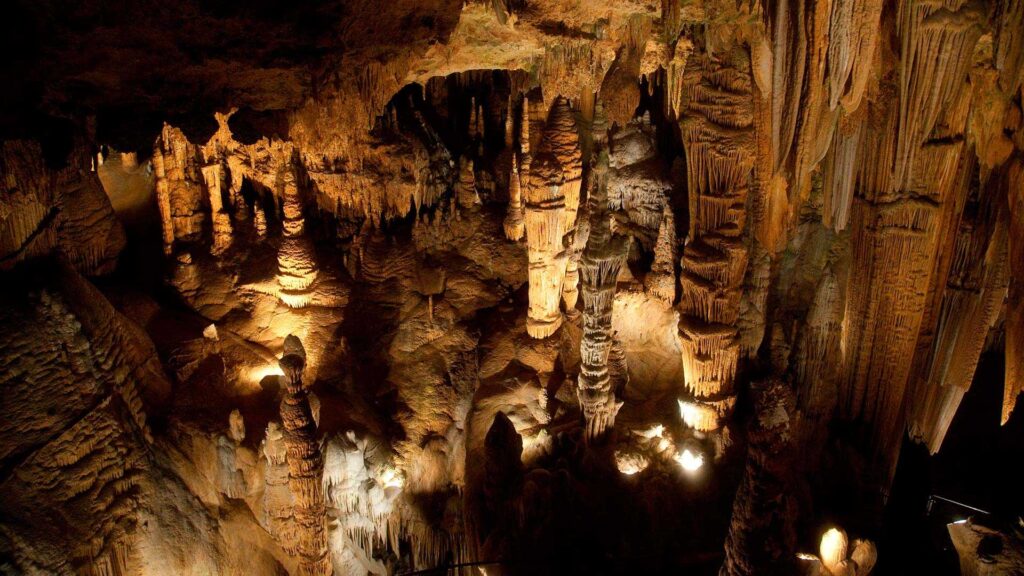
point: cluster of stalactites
(717, 129)
(599, 266)
(552, 201)
(305, 464)
(296, 260)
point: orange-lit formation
(507, 287)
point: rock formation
(719, 148)
(305, 464)
(796, 227)
(599, 269)
(552, 200)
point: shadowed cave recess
(512, 287)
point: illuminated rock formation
(718, 139)
(305, 464)
(213, 176)
(552, 200)
(296, 260)
(839, 557)
(909, 159)
(599, 266)
(44, 210)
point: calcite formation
(305, 464)
(631, 286)
(552, 201)
(599, 269)
(718, 137)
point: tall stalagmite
(305, 464)
(296, 259)
(600, 264)
(552, 200)
(761, 537)
(717, 134)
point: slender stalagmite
(305, 464)
(163, 198)
(600, 264)
(213, 176)
(515, 223)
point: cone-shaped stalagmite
(305, 464)
(296, 260)
(552, 200)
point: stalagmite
(163, 199)
(552, 200)
(467, 195)
(717, 135)
(602, 258)
(213, 175)
(305, 464)
(296, 259)
(762, 538)
(515, 223)
(661, 280)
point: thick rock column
(305, 464)
(552, 200)
(717, 126)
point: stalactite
(305, 464)
(716, 128)
(972, 284)
(600, 264)
(1015, 297)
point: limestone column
(602, 258)
(305, 464)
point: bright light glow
(630, 463)
(689, 461)
(656, 431)
(698, 417)
(833, 547)
(961, 521)
(391, 478)
(258, 373)
(804, 556)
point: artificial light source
(690, 461)
(391, 478)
